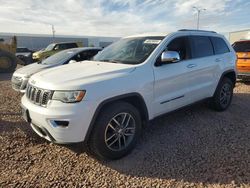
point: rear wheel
(116, 131)
(223, 95)
(8, 62)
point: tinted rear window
(71, 45)
(201, 46)
(220, 47)
(242, 46)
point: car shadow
(194, 144)
(5, 76)
(11, 128)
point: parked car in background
(54, 48)
(242, 49)
(24, 55)
(106, 101)
(22, 75)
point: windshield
(129, 50)
(242, 46)
(49, 47)
(19, 50)
(58, 57)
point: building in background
(37, 42)
(239, 35)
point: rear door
(202, 70)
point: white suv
(107, 101)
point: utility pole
(198, 15)
(53, 32)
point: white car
(22, 75)
(107, 101)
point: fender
(224, 74)
(124, 97)
(229, 71)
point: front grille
(38, 96)
(16, 82)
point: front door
(170, 85)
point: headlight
(36, 55)
(68, 96)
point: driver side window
(56, 47)
(179, 45)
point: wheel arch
(231, 74)
(134, 99)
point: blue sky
(121, 17)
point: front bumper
(25, 60)
(35, 60)
(78, 116)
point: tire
(8, 62)
(223, 95)
(111, 141)
(21, 61)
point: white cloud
(84, 17)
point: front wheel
(116, 131)
(223, 95)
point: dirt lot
(194, 147)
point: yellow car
(54, 48)
(242, 49)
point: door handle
(217, 60)
(191, 65)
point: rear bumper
(243, 75)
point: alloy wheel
(120, 131)
(225, 95)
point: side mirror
(170, 57)
(56, 47)
(72, 61)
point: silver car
(21, 76)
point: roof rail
(196, 30)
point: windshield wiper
(111, 60)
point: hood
(80, 73)
(31, 69)
(38, 52)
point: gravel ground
(193, 147)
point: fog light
(59, 123)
